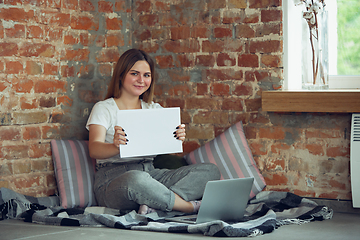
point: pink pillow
(74, 171)
(231, 153)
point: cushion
(231, 153)
(74, 172)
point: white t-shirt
(104, 113)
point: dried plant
(313, 9)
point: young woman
(134, 183)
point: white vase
(315, 64)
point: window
(343, 40)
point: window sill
(334, 101)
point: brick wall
(214, 58)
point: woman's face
(137, 80)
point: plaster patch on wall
(72, 87)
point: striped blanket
(266, 212)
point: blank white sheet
(150, 131)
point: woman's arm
(98, 148)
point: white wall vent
(355, 159)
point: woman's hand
(120, 136)
(180, 132)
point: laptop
(224, 200)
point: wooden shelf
(335, 101)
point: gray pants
(126, 186)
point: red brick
(264, 3)
(15, 152)
(271, 15)
(258, 149)
(270, 46)
(179, 90)
(233, 104)
(221, 32)
(70, 39)
(202, 88)
(28, 103)
(12, 2)
(27, 182)
(37, 50)
(51, 68)
(242, 4)
(338, 152)
(70, 4)
(10, 134)
(143, 6)
(189, 146)
(50, 86)
(67, 71)
(17, 31)
(272, 133)
(175, 102)
(22, 85)
(211, 117)
(162, 6)
(21, 167)
(47, 102)
(315, 149)
(213, 46)
(220, 89)
(164, 61)
(275, 164)
(14, 67)
(34, 32)
(53, 34)
(33, 68)
(30, 133)
(106, 7)
(115, 40)
(200, 132)
(256, 76)
(113, 23)
(244, 89)
(108, 55)
(84, 23)
(185, 60)
(86, 5)
(120, 6)
(252, 18)
(39, 150)
(205, 60)
(271, 60)
(54, 4)
(244, 31)
(224, 59)
(248, 60)
(148, 20)
(275, 179)
(200, 32)
(90, 96)
(201, 103)
(56, 18)
(224, 74)
(16, 14)
(322, 133)
(65, 101)
(182, 32)
(1, 30)
(185, 46)
(76, 55)
(267, 29)
(50, 132)
(279, 147)
(8, 49)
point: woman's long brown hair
(123, 66)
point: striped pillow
(231, 153)
(74, 171)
